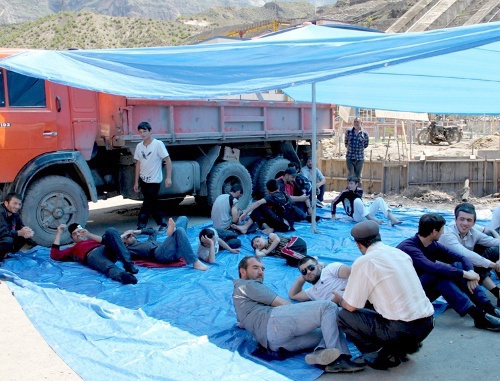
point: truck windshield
(25, 91)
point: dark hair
(307, 258)
(72, 227)
(144, 126)
(272, 185)
(253, 240)
(237, 187)
(244, 263)
(209, 233)
(367, 242)
(353, 178)
(12, 195)
(465, 207)
(430, 222)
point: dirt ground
(416, 196)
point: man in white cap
(402, 315)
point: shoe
(127, 278)
(323, 356)
(130, 268)
(319, 204)
(382, 360)
(497, 312)
(162, 229)
(344, 365)
(489, 322)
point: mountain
(17, 11)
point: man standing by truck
(149, 155)
(13, 233)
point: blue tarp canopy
(451, 70)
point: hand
(471, 275)
(206, 241)
(137, 189)
(61, 228)
(336, 297)
(496, 266)
(243, 217)
(168, 182)
(26, 232)
(234, 251)
(471, 285)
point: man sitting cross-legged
(277, 324)
(173, 248)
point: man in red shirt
(301, 201)
(98, 253)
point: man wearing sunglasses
(324, 280)
(402, 316)
(279, 325)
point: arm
(451, 241)
(255, 205)
(225, 246)
(235, 213)
(279, 301)
(344, 272)
(347, 306)
(136, 176)
(211, 248)
(296, 292)
(275, 240)
(366, 139)
(338, 199)
(168, 168)
(92, 236)
(55, 251)
(320, 179)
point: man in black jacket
(13, 234)
(436, 267)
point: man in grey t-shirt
(276, 323)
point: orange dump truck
(61, 147)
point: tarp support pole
(313, 154)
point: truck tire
(51, 201)
(255, 173)
(273, 169)
(226, 174)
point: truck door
(27, 124)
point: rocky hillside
(87, 30)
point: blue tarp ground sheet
(176, 323)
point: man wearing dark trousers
(444, 272)
(402, 316)
(13, 234)
(98, 253)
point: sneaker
(488, 322)
(323, 356)
(162, 229)
(344, 365)
(127, 278)
(382, 360)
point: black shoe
(344, 365)
(162, 229)
(382, 360)
(130, 268)
(127, 278)
(488, 322)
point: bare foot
(395, 221)
(200, 266)
(241, 228)
(171, 227)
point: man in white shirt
(402, 315)
(480, 248)
(149, 156)
(324, 280)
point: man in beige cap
(402, 315)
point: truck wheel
(226, 174)
(255, 173)
(51, 201)
(273, 169)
